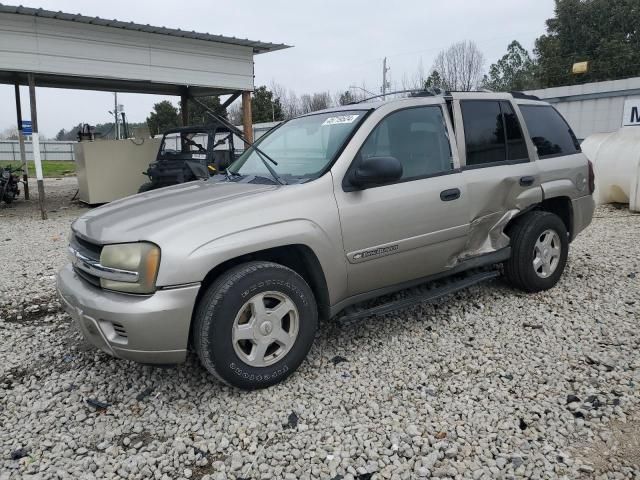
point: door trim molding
(407, 244)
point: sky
(337, 43)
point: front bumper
(146, 329)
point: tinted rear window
(549, 132)
(492, 133)
(483, 131)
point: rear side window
(516, 146)
(415, 136)
(492, 133)
(549, 132)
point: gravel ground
(488, 383)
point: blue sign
(27, 128)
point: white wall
(592, 115)
(44, 45)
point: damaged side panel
(498, 198)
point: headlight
(140, 258)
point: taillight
(592, 178)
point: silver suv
(326, 219)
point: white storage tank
(616, 161)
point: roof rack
(439, 92)
(524, 96)
(414, 92)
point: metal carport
(56, 49)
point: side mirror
(376, 171)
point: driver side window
(417, 137)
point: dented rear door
(496, 158)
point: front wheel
(539, 250)
(255, 324)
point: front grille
(92, 279)
(86, 248)
(89, 250)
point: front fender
(203, 259)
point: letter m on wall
(631, 112)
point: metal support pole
(23, 153)
(184, 108)
(247, 123)
(385, 69)
(35, 142)
(116, 126)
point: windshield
(181, 143)
(303, 146)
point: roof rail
(413, 92)
(524, 96)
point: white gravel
(488, 383)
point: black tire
(216, 313)
(145, 187)
(524, 233)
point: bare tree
(312, 103)
(290, 105)
(460, 66)
(288, 100)
(10, 133)
(234, 113)
(416, 81)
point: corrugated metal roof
(258, 46)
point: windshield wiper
(273, 173)
(263, 156)
(229, 174)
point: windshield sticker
(340, 119)
(199, 156)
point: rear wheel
(539, 250)
(255, 325)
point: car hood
(140, 216)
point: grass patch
(50, 168)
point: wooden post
(23, 153)
(247, 123)
(184, 108)
(35, 142)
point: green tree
(346, 98)
(603, 32)
(197, 113)
(264, 107)
(434, 80)
(514, 71)
(163, 117)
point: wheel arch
(298, 257)
(560, 206)
(563, 208)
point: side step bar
(422, 296)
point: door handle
(451, 194)
(527, 181)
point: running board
(420, 297)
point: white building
(596, 107)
